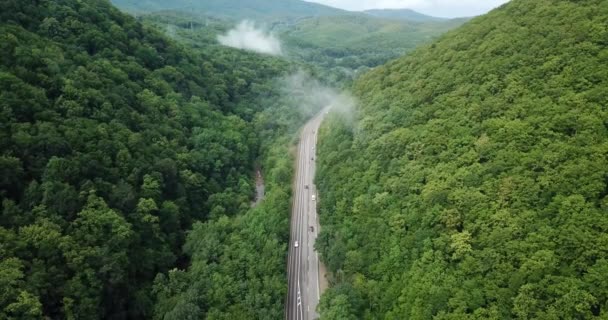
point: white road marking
(303, 216)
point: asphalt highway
(303, 261)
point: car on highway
(313, 197)
(295, 244)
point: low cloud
(311, 96)
(246, 36)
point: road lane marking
(301, 218)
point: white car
(295, 244)
(313, 197)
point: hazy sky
(438, 8)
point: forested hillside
(237, 268)
(473, 182)
(341, 44)
(260, 10)
(402, 14)
(114, 141)
(357, 42)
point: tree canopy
(473, 182)
(115, 140)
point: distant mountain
(402, 14)
(315, 33)
(358, 40)
(261, 10)
(357, 31)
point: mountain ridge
(403, 14)
(259, 10)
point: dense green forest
(340, 45)
(272, 11)
(116, 141)
(402, 14)
(350, 44)
(238, 264)
(470, 183)
(473, 182)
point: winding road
(303, 267)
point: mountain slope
(356, 41)
(402, 14)
(114, 141)
(340, 42)
(361, 31)
(473, 184)
(260, 10)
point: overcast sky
(438, 8)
